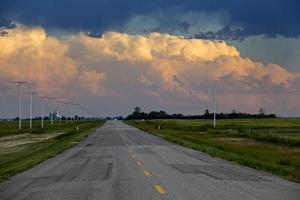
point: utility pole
(83, 112)
(215, 106)
(42, 97)
(20, 101)
(51, 98)
(77, 111)
(60, 111)
(73, 111)
(31, 96)
(66, 104)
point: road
(123, 163)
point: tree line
(139, 114)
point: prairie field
(271, 145)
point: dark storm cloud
(253, 17)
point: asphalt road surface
(123, 163)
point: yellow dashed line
(138, 163)
(130, 151)
(146, 173)
(159, 189)
(133, 156)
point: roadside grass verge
(256, 150)
(12, 127)
(18, 158)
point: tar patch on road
(78, 173)
(219, 172)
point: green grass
(12, 127)
(272, 145)
(21, 150)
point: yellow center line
(138, 163)
(159, 189)
(146, 173)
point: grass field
(21, 150)
(272, 145)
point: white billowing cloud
(145, 65)
(92, 80)
(29, 54)
(176, 63)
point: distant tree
(118, 118)
(139, 114)
(206, 114)
(177, 116)
(261, 112)
(137, 109)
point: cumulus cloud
(92, 80)
(29, 54)
(176, 63)
(119, 63)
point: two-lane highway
(123, 163)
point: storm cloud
(242, 18)
(155, 65)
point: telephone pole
(20, 101)
(71, 110)
(215, 106)
(42, 121)
(31, 96)
(51, 98)
(66, 108)
(60, 102)
(75, 111)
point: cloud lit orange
(155, 62)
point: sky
(112, 55)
